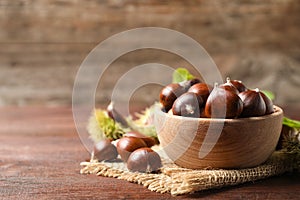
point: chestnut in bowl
(230, 143)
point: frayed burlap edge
(178, 181)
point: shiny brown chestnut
(148, 140)
(223, 103)
(144, 160)
(115, 115)
(187, 84)
(229, 86)
(126, 145)
(169, 94)
(202, 90)
(269, 104)
(238, 85)
(253, 103)
(188, 105)
(105, 150)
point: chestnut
(222, 102)
(268, 102)
(189, 83)
(105, 150)
(144, 160)
(202, 114)
(126, 145)
(202, 90)
(169, 94)
(148, 140)
(187, 105)
(238, 85)
(229, 86)
(253, 103)
(115, 115)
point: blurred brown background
(43, 43)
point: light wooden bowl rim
(277, 111)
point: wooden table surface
(40, 153)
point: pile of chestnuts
(134, 148)
(232, 99)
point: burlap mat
(177, 181)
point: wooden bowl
(231, 143)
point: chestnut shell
(115, 115)
(126, 145)
(188, 105)
(169, 94)
(269, 104)
(105, 150)
(215, 107)
(144, 160)
(253, 103)
(148, 140)
(238, 85)
(189, 83)
(229, 86)
(202, 90)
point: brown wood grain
(40, 153)
(242, 143)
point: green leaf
(181, 74)
(291, 123)
(269, 94)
